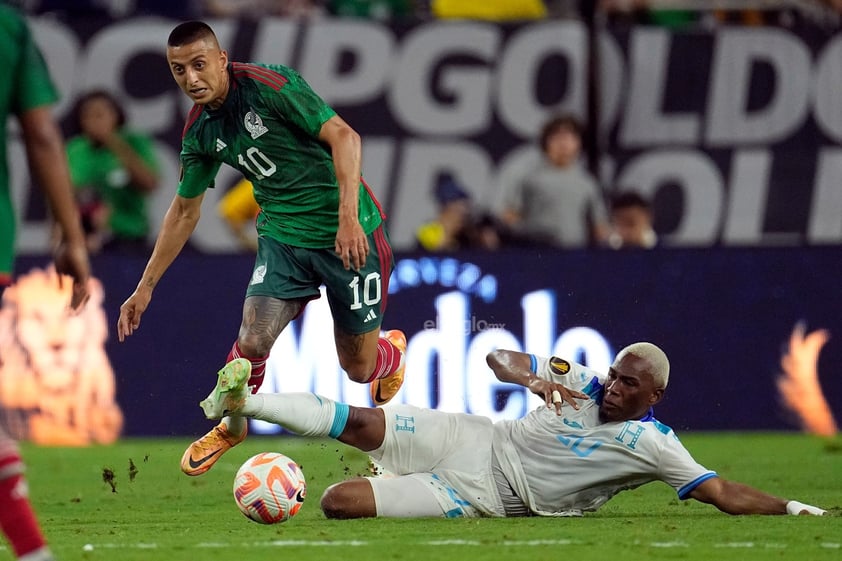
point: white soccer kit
(556, 465)
(565, 465)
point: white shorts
(449, 457)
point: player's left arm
(517, 368)
(346, 150)
(732, 497)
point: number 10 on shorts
(371, 291)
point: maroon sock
(258, 366)
(17, 519)
(388, 359)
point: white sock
(306, 414)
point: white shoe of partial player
(231, 390)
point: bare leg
(264, 318)
(357, 352)
(365, 428)
(353, 498)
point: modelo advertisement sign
(732, 322)
(733, 132)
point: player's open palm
(351, 245)
(130, 313)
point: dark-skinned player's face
(629, 390)
(200, 70)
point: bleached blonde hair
(657, 359)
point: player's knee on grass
(349, 499)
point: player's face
(629, 390)
(200, 70)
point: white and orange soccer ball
(269, 488)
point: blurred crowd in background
(557, 203)
(660, 12)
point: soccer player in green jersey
(27, 92)
(319, 223)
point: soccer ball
(269, 488)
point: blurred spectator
(113, 170)
(631, 222)
(239, 210)
(177, 9)
(676, 14)
(647, 13)
(497, 10)
(384, 10)
(456, 228)
(262, 8)
(558, 203)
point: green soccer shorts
(357, 299)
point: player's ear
(656, 396)
(223, 57)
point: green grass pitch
(162, 515)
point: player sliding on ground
(319, 223)
(596, 436)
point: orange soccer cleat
(384, 389)
(203, 453)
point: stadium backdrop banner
(724, 316)
(733, 132)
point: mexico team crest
(254, 124)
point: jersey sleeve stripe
(191, 118)
(685, 491)
(263, 75)
(533, 364)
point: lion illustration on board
(57, 386)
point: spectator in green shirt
(113, 169)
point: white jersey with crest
(565, 465)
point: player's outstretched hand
(796, 508)
(72, 259)
(555, 395)
(351, 245)
(130, 313)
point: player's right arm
(178, 225)
(520, 368)
(732, 497)
(32, 94)
(197, 175)
(47, 160)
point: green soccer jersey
(26, 85)
(97, 168)
(268, 129)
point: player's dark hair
(189, 32)
(558, 123)
(108, 97)
(629, 199)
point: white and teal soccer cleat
(231, 390)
